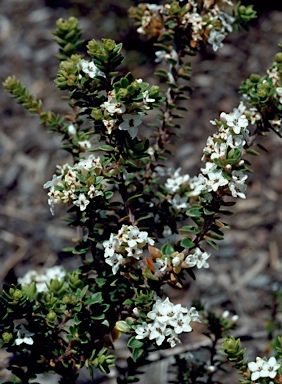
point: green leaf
(137, 353)
(187, 243)
(216, 236)
(212, 243)
(109, 194)
(122, 326)
(208, 212)
(190, 228)
(194, 212)
(127, 302)
(95, 298)
(134, 343)
(227, 213)
(134, 197)
(167, 249)
(252, 152)
(263, 148)
(100, 281)
(106, 148)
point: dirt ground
(248, 264)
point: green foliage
(144, 226)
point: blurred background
(248, 264)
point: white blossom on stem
(24, 336)
(166, 321)
(262, 368)
(130, 123)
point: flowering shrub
(144, 225)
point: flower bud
(93, 47)
(96, 114)
(154, 91)
(51, 316)
(122, 93)
(108, 44)
(133, 87)
(6, 337)
(17, 294)
(278, 57)
(231, 345)
(262, 93)
(255, 78)
(71, 129)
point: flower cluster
(176, 185)
(223, 151)
(118, 113)
(177, 261)
(76, 184)
(222, 154)
(263, 368)
(166, 321)
(42, 279)
(210, 23)
(126, 246)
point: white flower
(82, 202)
(55, 180)
(130, 241)
(109, 124)
(24, 336)
(197, 259)
(179, 203)
(146, 98)
(161, 265)
(142, 331)
(215, 39)
(236, 120)
(181, 323)
(90, 164)
(219, 150)
(173, 339)
(237, 186)
(115, 261)
(226, 21)
(110, 246)
(134, 251)
(262, 368)
(273, 366)
(41, 279)
(198, 184)
(176, 261)
(154, 7)
(216, 180)
(168, 320)
(92, 192)
(158, 331)
(137, 237)
(173, 183)
(279, 93)
(161, 56)
(209, 167)
(71, 130)
(91, 69)
(85, 144)
(113, 106)
(162, 311)
(56, 272)
(130, 124)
